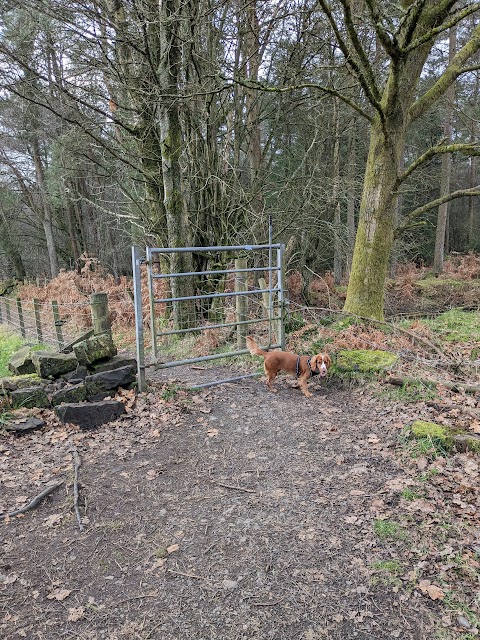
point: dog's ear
(327, 359)
(313, 362)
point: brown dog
(302, 367)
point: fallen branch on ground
(33, 503)
(77, 464)
(231, 486)
(454, 386)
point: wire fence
(52, 323)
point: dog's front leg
(302, 383)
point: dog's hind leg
(270, 378)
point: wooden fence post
(241, 302)
(7, 310)
(20, 318)
(99, 309)
(38, 320)
(58, 324)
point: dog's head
(321, 362)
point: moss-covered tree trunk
(375, 233)
(171, 148)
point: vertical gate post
(137, 290)
(281, 300)
(151, 298)
(241, 302)
(99, 311)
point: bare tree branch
(469, 149)
(411, 217)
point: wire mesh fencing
(51, 323)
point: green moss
(423, 429)
(21, 382)
(365, 361)
(431, 439)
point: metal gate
(234, 291)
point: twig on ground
(186, 575)
(76, 466)
(268, 603)
(33, 503)
(229, 486)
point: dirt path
(242, 514)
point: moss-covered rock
(21, 362)
(51, 364)
(74, 393)
(12, 383)
(424, 429)
(95, 348)
(30, 397)
(364, 360)
(449, 438)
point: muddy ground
(232, 513)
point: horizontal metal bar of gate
(217, 356)
(215, 326)
(210, 273)
(246, 247)
(215, 295)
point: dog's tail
(253, 347)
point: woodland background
(188, 122)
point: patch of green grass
(429, 447)
(431, 473)
(170, 392)
(5, 418)
(455, 325)
(409, 494)
(426, 439)
(385, 529)
(411, 392)
(9, 343)
(387, 572)
(388, 566)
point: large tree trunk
(446, 172)
(375, 233)
(171, 146)
(44, 209)
(337, 219)
(351, 193)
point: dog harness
(297, 368)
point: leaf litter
(272, 495)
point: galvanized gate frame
(278, 291)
